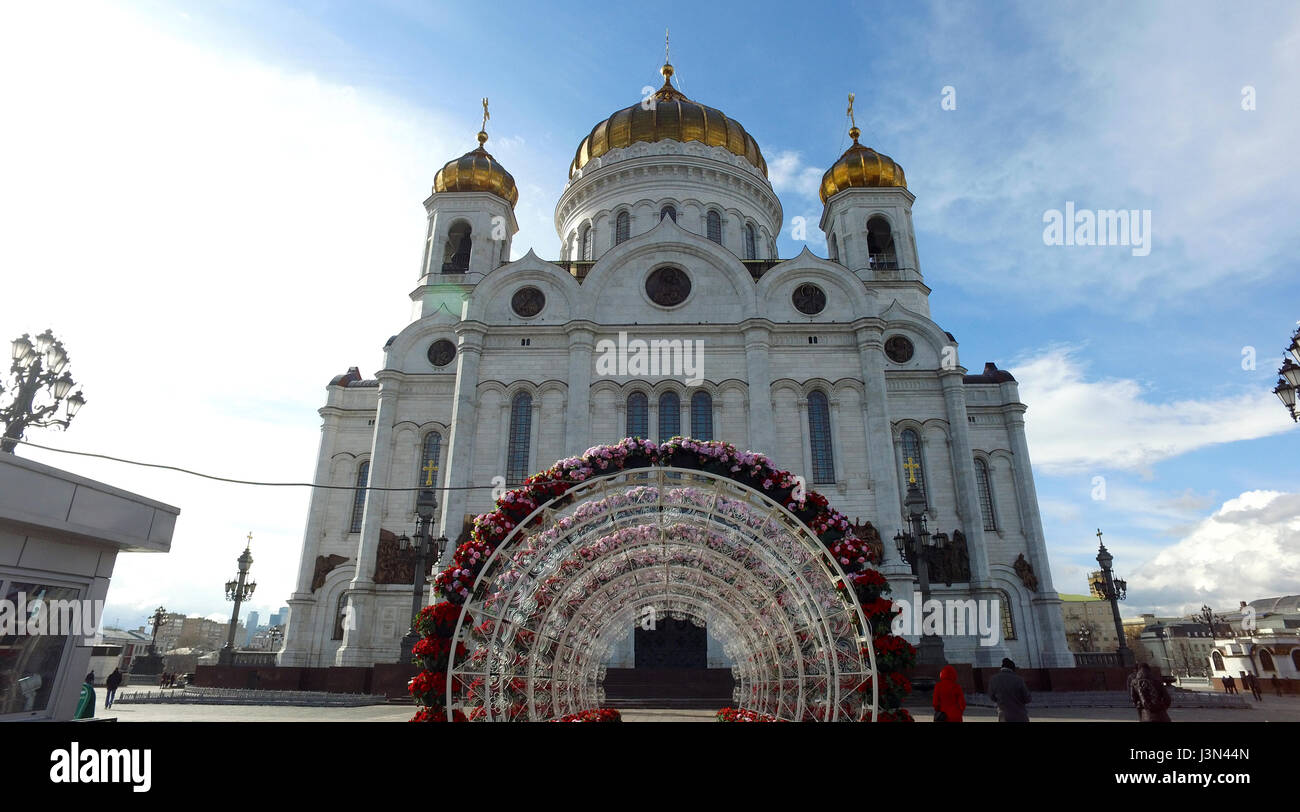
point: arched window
(835, 249)
(521, 424)
(702, 415)
(340, 615)
(1216, 659)
(668, 211)
(913, 465)
(1008, 620)
(819, 434)
(986, 494)
(670, 416)
(586, 242)
(430, 459)
(638, 415)
(751, 245)
(455, 257)
(713, 226)
(622, 227)
(359, 498)
(1266, 660)
(880, 244)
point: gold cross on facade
(852, 122)
(486, 116)
(911, 467)
(430, 469)
(1099, 535)
(250, 538)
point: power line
(235, 481)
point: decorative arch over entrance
(568, 563)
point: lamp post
(38, 366)
(158, 619)
(919, 548)
(1108, 587)
(425, 546)
(237, 591)
(1288, 377)
(1084, 635)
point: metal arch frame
(763, 536)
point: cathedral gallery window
(899, 349)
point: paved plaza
(1271, 709)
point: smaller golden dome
(861, 166)
(477, 171)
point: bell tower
(471, 217)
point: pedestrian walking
(1230, 685)
(111, 685)
(1008, 691)
(949, 698)
(1149, 695)
(1253, 682)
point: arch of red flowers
(437, 623)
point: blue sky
(228, 195)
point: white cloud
(1249, 548)
(1077, 425)
(789, 174)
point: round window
(527, 302)
(809, 299)
(899, 349)
(668, 287)
(441, 352)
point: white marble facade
(762, 361)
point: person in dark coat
(1149, 695)
(1253, 682)
(111, 685)
(1276, 683)
(1229, 685)
(949, 698)
(1008, 691)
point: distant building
(251, 626)
(1089, 623)
(1265, 642)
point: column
(297, 634)
(460, 445)
(762, 437)
(880, 448)
(963, 470)
(360, 646)
(805, 442)
(577, 429)
(837, 458)
(503, 435)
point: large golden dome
(477, 171)
(673, 117)
(861, 166)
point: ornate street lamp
(425, 546)
(1107, 587)
(237, 591)
(158, 620)
(1288, 377)
(39, 387)
(920, 548)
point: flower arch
(567, 562)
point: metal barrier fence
(238, 696)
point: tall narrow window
(455, 257)
(1266, 660)
(714, 227)
(986, 494)
(430, 459)
(880, 244)
(340, 615)
(702, 415)
(910, 446)
(670, 416)
(819, 435)
(1008, 620)
(638, 415)
(586, 242)
(668, 211)
(622, 227)
(521, 424)
(751, 244)
(835, 249)
(359, 498)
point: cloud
(1077, 425)
(790, 175)
(1249, 548)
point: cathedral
(832, 366)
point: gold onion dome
(477, 171)
(861, 166)
(671, 117)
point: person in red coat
(949, 698)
